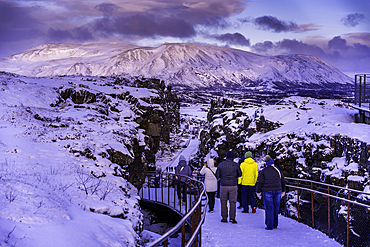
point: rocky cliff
(310, 138)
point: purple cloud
(144, 25)
(353, 20)
(232, 39)
(271, 23)
(274, 24)
(338, 53)
(107, 8)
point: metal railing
(161, 188)
(309, 201)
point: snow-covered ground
(250, 231)
(50, 193)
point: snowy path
(250, 231)
(191, 148)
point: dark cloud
(81, 20)
(207, 11)
(144, 25)
(217, 23)
(264, 47)
(274, 24)
(339, 46)
(106, 8)
(288, 46)
(271, 23)
(338, 53)
(337, 43)
(233, 39)
(353, 20)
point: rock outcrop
(156, 117)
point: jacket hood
(182, 163)
(249, 161)
(182, 157)
(211, 163)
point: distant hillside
(186, 65)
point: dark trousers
(272, 199)
(248, 197)
(218, 189)
(181, 189)
(239, 198)
(211, 200)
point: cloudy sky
(337, 31)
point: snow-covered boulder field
(66, 146)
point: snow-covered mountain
(189, 65)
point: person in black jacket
(228, 173)
(271, 183)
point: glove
(282, 194)
(259, 195)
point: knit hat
(268, 160)
(182, 157)
(230, 155)
(248, 154)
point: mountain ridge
(178, 64)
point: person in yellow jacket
(248, 182)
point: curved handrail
(298, 184)
(195, 214)
(325, 184)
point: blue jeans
(248, 197)
(272, 199)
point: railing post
(199, 237)
(298, 199)
(285, 206)
(168, 188)
(348, 214)
(183, 235)
(149, 187)
(193, 223)
(155, 187)
(329, 210)
(161, 182)
(312, 209)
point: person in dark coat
(228, 173)
(184, 170)
(271, 183)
